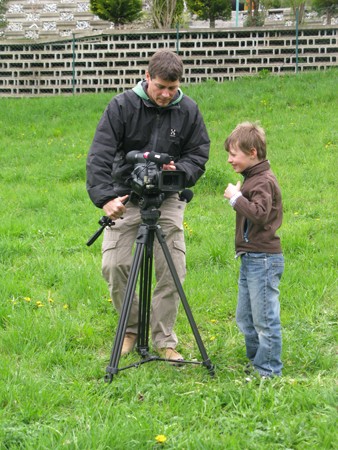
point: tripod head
(149, 205)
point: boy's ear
(253, 153)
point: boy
(258, 206)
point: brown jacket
(259, 211)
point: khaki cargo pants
(118, 243)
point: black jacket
(132, 122)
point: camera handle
(104, 222)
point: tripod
(142, 264)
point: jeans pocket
(277, 269)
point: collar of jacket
(257, 168)
(139, 90)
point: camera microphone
(139, 157)
(134, 157)
(186, 195)
(158, 158)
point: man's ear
(148, 76)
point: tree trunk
(163, 12)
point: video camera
(147, 176)
(150, 183)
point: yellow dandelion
(213, 320)
(65, 306)
(50, 300)
(187, 228)
(39, 304)
(212, 338)
(160, 438)
(109, 300)
(27, 299)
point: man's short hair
(166, 65)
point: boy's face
(241, 161)
(160, 91)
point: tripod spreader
(104, 222)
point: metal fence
(116, 61)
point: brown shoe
(129, 342)
(172, 354)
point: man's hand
(115, 208)
(170, 166)
(232, 190)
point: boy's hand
(232, 190)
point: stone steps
(37, 19)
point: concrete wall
(117, 61)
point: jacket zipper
(157, 128)
(246, 230)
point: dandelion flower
(160, 438)
(27, 299)
(65, 306)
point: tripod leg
(142, 260)
(145, 295)
(112, 369)
(206, 360)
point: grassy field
(56, 319)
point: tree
(328, 7)
(166, 13)
(210, 9)
(300, 6)
(3, 9)
(255, 16)
(119, 12)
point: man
(153, 116)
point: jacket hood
(139, 90)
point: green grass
(57, 324)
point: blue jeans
(258, 310)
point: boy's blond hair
(246, 136)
